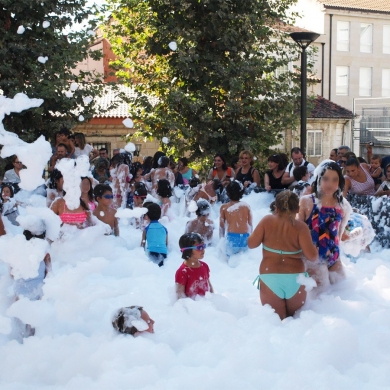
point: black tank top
(245, 177)
(275, 184)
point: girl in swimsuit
(326, 213)
(87, 193)
(79, 217)
(282, 271)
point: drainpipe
(330, 55)
(322, 69)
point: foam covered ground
(226, 340)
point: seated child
(155, 236)
(384, 188)
(164, 191)
(376, 170)
(132, 320)
(193, 276)
(301, 185)
(202, 224)
(10, 209)
(104, 210)
(236, 218)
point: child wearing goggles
(193, 276)
(104, 210)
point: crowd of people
(301, 236)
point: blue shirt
(156, 237)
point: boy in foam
(133, 320)
(301, 186)
(155, 236)
(236, 217)
(193, 276)
(104, 211)
(202, 224)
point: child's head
(7, 192)
(164, 189)
(132, 320)
(235, 190)
(329, 179)
(203, 208)
(376, 161)
(140, 193)
(103, 191)
(287, 202)
(154, 212)
(187, 242)
(301, 173)
(163, 162)
(194, 182)
(56, 180)
(29, 235)
(86, 187)
(136, 169)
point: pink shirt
(195, 280)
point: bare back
(236, 217)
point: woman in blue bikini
(285, 240)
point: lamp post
(137, 149)
(304, 39)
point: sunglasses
(198, 247)
(108, 196)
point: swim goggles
(198, 247)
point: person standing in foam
(202, 224)
(236, 218)
(282, 277)
(326, 213)
(193, 276)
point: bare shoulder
(300, 225)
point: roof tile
(324, 108)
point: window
(99, 145)
(342, 79)
(314, 143)
(281, 70)
(365, 81)
(386, 39)
(385, 82)
(365, 38)
(343, 36)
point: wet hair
(203, 207)
(163, 162)
(154, 212)
(335, 150)
(299, 172)
(352, 161)
(155, 159)
(361, 160)
(248, 153)
(187, 240)
(287, 202)
(135, 167)
(222, 157)
(217, 185)
(164, 189)
(184, 160)
(194, 182)
(100, 189)
(140, 190)
(283, 161)
(147, 204)
(376, 157)
(119, 320)
(30, 235)
(235, 190)
(81, 140)
(55, 175)
(11, 190)
(333, 166)
(122, 158)
(276, 158)
(147, 163)
(90, 191)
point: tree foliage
(218, 92)
(64, 44)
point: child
(376, 170)
(384, 188)
(326, 213)
(132, 320)
(301, 186)
(10, 209)
(164, 191)
(236, 217)
(155, 235)
(193, 276)
(202, 224)
(140, 194)
(104, 211)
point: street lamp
(304, 39)
(137, 149)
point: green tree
(30, 29)
(218, 91)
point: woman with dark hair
(55, 187)
(156, 157)
(235, 163)
(147, 165)
(13, 175)
(162, 172)
(273, 177)
(326, 213)
(285, 241)
(220, 170)
(186, 172)
(358, 179)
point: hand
(268, 188)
